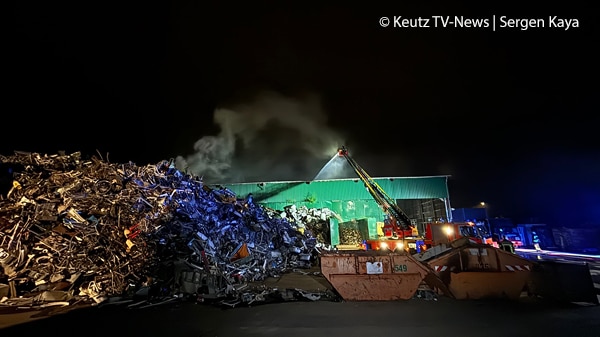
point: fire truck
(437, 233)
(399, 233)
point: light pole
(487, 220)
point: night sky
(269, 93)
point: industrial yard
(444, 317)
(202, 169)
(84, 239)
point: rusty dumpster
(373, 275)
(479, 271)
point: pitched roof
(341, 189)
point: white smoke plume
(271, 138)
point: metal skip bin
(373, 275)
(474, 271)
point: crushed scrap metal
(76, 230)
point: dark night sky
(511, 115)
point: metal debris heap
(86, 230)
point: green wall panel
(315, 192)
(348, 198)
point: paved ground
(416, 317)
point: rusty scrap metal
(350, 236)
(75, 229)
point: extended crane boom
(399, 232)
(381, 197)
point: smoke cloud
(271, 138)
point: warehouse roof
(318, 191)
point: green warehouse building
(423, 199)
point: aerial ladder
(398, 231)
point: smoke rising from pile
(272, 138)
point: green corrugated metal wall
(348, 198)
(343, 189)
(336, 193)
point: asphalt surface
(415, 317)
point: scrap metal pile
(76, 230)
